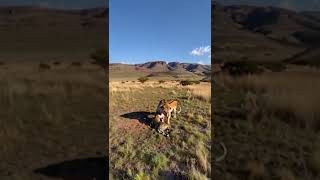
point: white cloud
(200, 62)
(201, 51)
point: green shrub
(143, 79)
(151, 75)
(100, 56)
(189, 82)
(196, 82)
(186, 82)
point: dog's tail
(179, 110)
(223, 156)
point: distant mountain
(155, 68)
(263, 33)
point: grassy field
(270, 124)
(137, 151)
(53, 121)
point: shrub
(1, 63)
(185, 82)
(56, 63)
(242, 68)
(44, 66)
(189, 82)
(161, 81)
(94, 62)
(143, 79)
(76, 64)
(151, 75)
(100, 56)
(206, 79)
(196, 82)
(275, 67)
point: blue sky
(170, 30)
(64, 4)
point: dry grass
(284, 94)
(256, 170)
(194, 174)
(201, 91)
(314, 160)
(202, 155)
(43, 113)
(152, 155)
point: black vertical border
(106, 122)
(213, 2)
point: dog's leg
(169, 116)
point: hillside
(159, 69)
(264, 34)
(50, 34)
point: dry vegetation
(277, 116)
(291, 96)
(137, 151)
(45, 114)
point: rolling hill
(265, 34)
(159, 69)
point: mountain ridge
(156, 67)
(264, 34)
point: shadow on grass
(143, 116)
(172, 175)
(84, 169)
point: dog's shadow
(86, 169)
(143, 117)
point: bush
(1, 63)
(161, 81)
(275, 67)
(143, 79)
(206, 79)
(56, 63)
(186, 83)
(76, 64)
(101, 57)
(196, 82)
(242, 68)
(151, 75)
(44, 66)
(189, 82)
